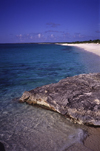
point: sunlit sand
(91, 47)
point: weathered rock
(76, 97)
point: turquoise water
(32, 65)
(27, 66)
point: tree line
(89, 41)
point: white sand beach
(91, 47)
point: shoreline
(92, 142)
(90, 47)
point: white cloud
(39, 35)
(19, 36)
(52, 35)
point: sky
(24, 21)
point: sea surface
(24, 67)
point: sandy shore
(90, 47)
(92, 142)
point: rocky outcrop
(76, 97)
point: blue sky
(49, 20)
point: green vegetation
(90, 41)
(97, 41)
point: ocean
(24, 67)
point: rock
(77, 97)
(2, 147)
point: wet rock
(2, 147)
(76, 97)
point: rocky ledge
(77, 97)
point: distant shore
(90, 47)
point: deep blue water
(27, 66)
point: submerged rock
(76, 97)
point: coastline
(90, 47)
(92, 142)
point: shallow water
(27, 66)
(30, 128)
